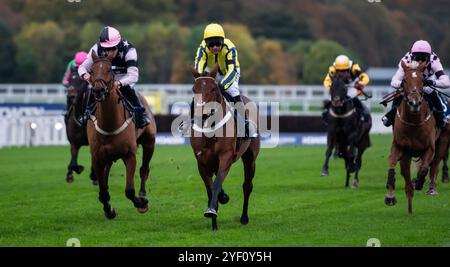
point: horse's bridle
(224, 120)
(105, 88)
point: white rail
(293, 99)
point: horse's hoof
(78, 169)
(355, 184)
(445, 179)
(143, 205)
(69, 178)
(324, 173)
(143, 209)
(111, 214)
(390, 201)
(223, 198)
(418, 184)
(432, 192)
(210, 213)
(244, 220)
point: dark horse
(112, 135)
(215, 151)
(346, 132)
(414, 135)
(441, 154)
(76, 133)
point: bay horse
(112, 135)
(414, 132)
(215, 151)
(76, 133)
(345, 132)
(441, 154)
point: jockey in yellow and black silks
(216, 49)
(353, 76)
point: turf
(291, 204)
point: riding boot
(90, 105)
(438, 108)
(183, 127)
(359, 109)
(250, 131)
(140, 117)
(389, 117)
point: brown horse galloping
(112, 136)
(215, 151)
(76, 133)
(414, 134)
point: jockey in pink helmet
(73, 65)
(125, 67)
(421, 52)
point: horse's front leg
(102, 171)
(225, 161)
(394, 157)
(330, 146)
(141, 203)
(73, 165)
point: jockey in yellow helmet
(350, 72)
(216, 49)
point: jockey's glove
(429, 82)
(359, 86)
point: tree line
(279, 42)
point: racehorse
(76, 133)
(441, 154)
(216, 152)
(346, 132)
(414, 134)
(112, 135)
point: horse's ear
(94, 55)
(422, 66)
(404, 66)
(195, 72)
(213, 73)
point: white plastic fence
(293, 99)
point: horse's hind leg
(93, 176)
(249, 172)
(140, 203)
(445, 178)
(102, 173)
(144, 171)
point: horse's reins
(94, 119)
(222, 122)
(410, 123)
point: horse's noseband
(100, 93)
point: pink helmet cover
(109, 37)
(421, 46)
(80, 57)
